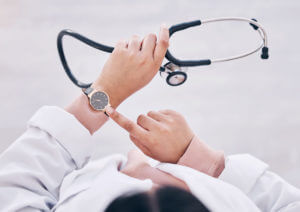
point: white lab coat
(48, 169)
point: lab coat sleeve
(34, 166)
(266, 189)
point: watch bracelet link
(87, 91)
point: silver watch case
(99, 100)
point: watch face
(99, 100)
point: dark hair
(164, 199)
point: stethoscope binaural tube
(175, 71)
(170, 57)
(183, 26)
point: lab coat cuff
(242, 171)
(203, 158)
(67, 130)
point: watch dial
(99, 100)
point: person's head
(163, 199)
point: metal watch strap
(106, 114)
(87, 91)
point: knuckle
(128, 126)
(165, 111)
(131, 55)
(140, 118)
(170, 111)
(151, 141)
(171, 120)
(143, 59)
(120, 42)
(175, 114)
(150, 113)
(156, 144)
(135, 37)
(131, 138)
(115, 116)
(179, 115)
(164, 43)
(152, 36)
(118, 51)
(164, 129)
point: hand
(137, 166)
(132, 65)
(163, 135)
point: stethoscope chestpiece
(174, 75)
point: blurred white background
(244, 106)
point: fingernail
(109, 110)
(163, 26)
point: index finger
(130, 126)
(162, 44)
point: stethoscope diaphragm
(174, 75)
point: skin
(131, 66)
(137, 166)
(163, 135)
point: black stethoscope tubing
(85, 40)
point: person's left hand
(162, 135)
(132, 65)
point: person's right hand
(132, 65)
(163, 135)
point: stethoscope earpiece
(264, 53)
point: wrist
(113, 91)
(85, 114)
(203, 158)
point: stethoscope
(173, 71)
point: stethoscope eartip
(264, 53)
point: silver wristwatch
(98, 99)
